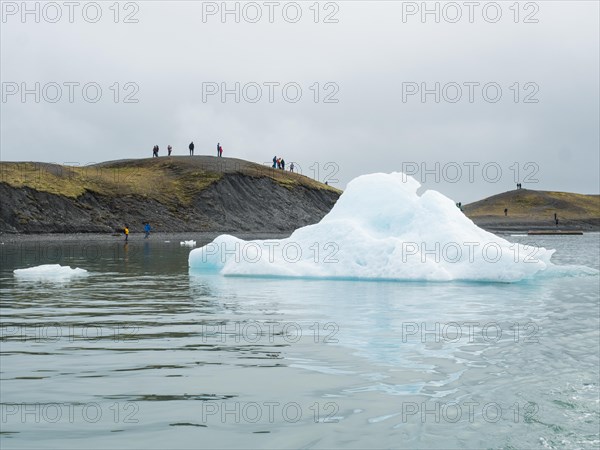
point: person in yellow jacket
(126, 231)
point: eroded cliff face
(235, 202)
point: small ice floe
(188, 243)
(50, 272)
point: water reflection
(148, 345)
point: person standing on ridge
(218, 149)
(292, 167)
(274, 161)
(191, 147)
(282, 164)
(169, 149)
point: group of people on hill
(279, 163)
(155, 150)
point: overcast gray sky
(527, 73)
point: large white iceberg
(380, 228)
(50, 272)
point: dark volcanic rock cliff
(174, 194)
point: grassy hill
(529, 209)
(178, 193)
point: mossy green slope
(166, 179)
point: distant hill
(179, 193)
(533, 210)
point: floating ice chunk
(187, 243)
(50, 272)
(380, 228)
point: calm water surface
(144, 354)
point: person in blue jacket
(147, 230)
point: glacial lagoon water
(144, 353)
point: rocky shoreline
(134, 238)
(520, 226)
